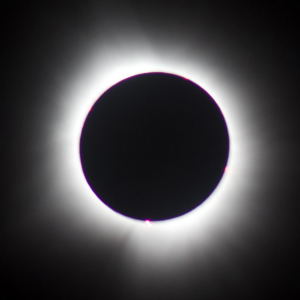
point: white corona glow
(172, 239)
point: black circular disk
(154, 146)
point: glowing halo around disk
(228, 203)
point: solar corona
(151, 232)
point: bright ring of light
(199, 227)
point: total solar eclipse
(154, 146)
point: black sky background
(42, 42)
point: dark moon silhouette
(154, 146)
